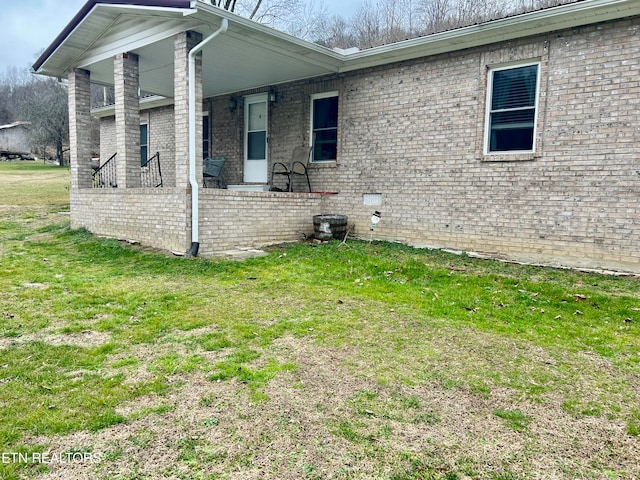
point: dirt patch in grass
(327, 419)
(86, 338)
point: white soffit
(134, 30)
(110, 29)
(231, 65)
(250, 55)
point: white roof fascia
(510, 28)
(146, 103)
(184, 11)
(106, 111)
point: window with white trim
(205, 135)
(512, 104)
(324, 127)
(144, 144)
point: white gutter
(193, 181)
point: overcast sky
(29, 26)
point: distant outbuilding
(15, 140)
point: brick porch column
(125, 76)
(80, 128)
(183, 42)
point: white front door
(255, 138)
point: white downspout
(193, 181)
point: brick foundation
(154, 217)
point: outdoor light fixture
(375, 218)
(233, 104)
(272, 96)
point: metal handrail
(151, 174)
(105, 176)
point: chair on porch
(211, 169)
(299, 163)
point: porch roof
(251, 55)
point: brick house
(519, 136)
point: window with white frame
(205, 136)
(144, 144)
(324, 127)
(512, 103)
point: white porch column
(125, 73)
(80, 128)
(183, 43)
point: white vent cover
(372, 199)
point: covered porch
(191, 81)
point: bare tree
(47, 110)
(446, 14)
(13, 93)
(335, 32)
(490, 10)
(397, 20)
(434, 13)
(373, 24)
(305, 20)
(530, 5)
(367, 25)
(298, 17)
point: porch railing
(151, 175)
(105, 175)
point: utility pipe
(193, 181)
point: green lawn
(352, 361)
